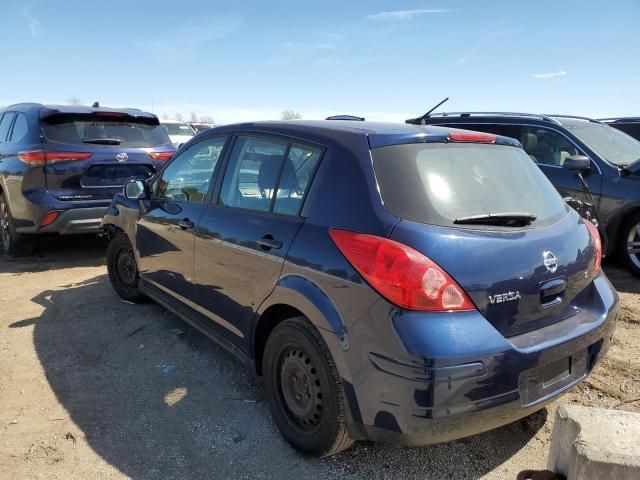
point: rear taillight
(38, 158)
(474, 137)
(402, 275)
(161, 155)
(111, 114)
(597, 243)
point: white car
(179, 132)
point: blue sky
(383, 59)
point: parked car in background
(61, 165)
(199, 127)
(628, 125)
(389, 281)
(562, 145)
(179, 132)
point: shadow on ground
(620, 277)
(156, 399)
(56, 252)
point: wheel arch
(297, 296)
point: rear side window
(97, 130)
(5, 123)
(252, 174)
(20, 127)
(439, 183)
(297, 173)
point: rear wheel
(122, 268)
(304, 389)
(629, 244)
(12, 242)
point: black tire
(304, 390)
(13, 243)
(122, 268)
(630, 228)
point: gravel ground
(93, 387)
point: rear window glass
(178, 129)
(439, 183)
(101, 132)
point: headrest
(530, 141)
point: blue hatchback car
(388, 281)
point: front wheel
(629, 244)
(304, 389)
(122, 268)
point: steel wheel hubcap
(127, 267)
(633, 245)
(300, 388)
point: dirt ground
(92, 387)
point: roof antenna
(97, 105)
(421, 120)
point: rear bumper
(458, 376)
(76, 221)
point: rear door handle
(185, 224)
(267, 242)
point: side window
(252, 172)
(20, 127)
(547, 147)
(297, 174)
(188, 176)
(5, 123)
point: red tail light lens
(474, 137)
(49, 218)
(38, 158)
(402, 275)
(161, 155)
(597, 242)
(111, 114)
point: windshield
(85, 130)
(611, 144)
(178, 129)
(441, 183)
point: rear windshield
(611, 144)
(97, 131)
(437, 183)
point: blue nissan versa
(388, 281)
(61, 165)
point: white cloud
(181, 41)
(560, 73)
(34, 23)
(403, 15)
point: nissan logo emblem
(550, 261)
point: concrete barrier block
(595, 444)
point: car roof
(621, 120)
(46, 110)
(379, 134)
(557, 119)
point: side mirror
(136, 190)
(580, 163)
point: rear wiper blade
(507, 219)
(103, 141)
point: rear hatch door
(90, 155)
(526, 265)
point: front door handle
(267, 242)
(185, 224)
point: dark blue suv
(61, 165)
(606, 159)
(388, 281)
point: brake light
(38, 158)
(475, 137)
(597, 242)
(110, 114)
(399, 273)
(161, 155)
(49, 218)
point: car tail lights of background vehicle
(38, 158)
(164, 156)
(402, 275)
